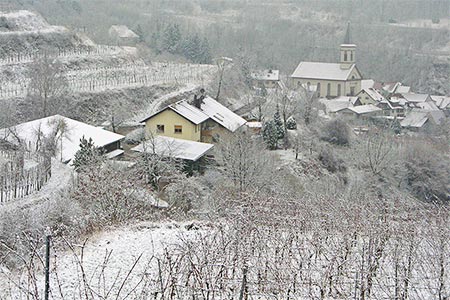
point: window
(178, 129)
(318, 89)
(159, 128)
(352, 91)
(339, 90)
(328, 89)
(351, 56)
(345, 56)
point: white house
(66, 132)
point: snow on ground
(125, 245)
(61, 179)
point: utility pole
(47, 263)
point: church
(332, 79)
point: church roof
(325, 71)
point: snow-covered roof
(176, 148)
(186, 110)
(402, 89)
(367, 83)
(373, 93)
(410, 97)
(209, 109)
(189, 111)
(428, 106)
(266, 75)
(335, 105)
(441, 101)
(437, 116)
(123, 31)
(390, 87)
(254, 124)
(318, 70)
(351, 99)
(415, 119)
(364, 109)
(221, 114)
(70, 143)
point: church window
(345, 56)
(351, 56)
(339, 90)
(318, 89)
(328, 89)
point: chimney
(196, 101)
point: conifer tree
(278, 123)
(291, 124)
(270, 135)
(206, 57)
(87, 154)
(171, 39)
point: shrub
(331, 162)
(336, 132)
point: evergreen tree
(140, 33)
(171, 39)
(270, 135)
(291, 124)
(396, 126)
(206, 57)
(87, 155)
(278, 123)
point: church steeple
(348, 35)
(348, 50)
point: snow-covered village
(224, 149)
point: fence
(16, 181)
(27, 57)
(100, 79)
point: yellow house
(203, 121)
(332, 79)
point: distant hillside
(24, 31)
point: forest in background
(275, 34)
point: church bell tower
(348, 51)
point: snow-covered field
(106, 258)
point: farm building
(66, 132)
(121, 35)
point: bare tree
(244, 161)
(48, 85)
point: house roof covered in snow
(176, 148)
(31, 132)
(266, 75)
(209, 109)
(373, 93)
(367, 83)
(415, 119)
(184, 109)
(123, 31)
(221, 114)
(364, 109)
(325, 71)
(335, 105)
(411, 97)
(443, 102)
